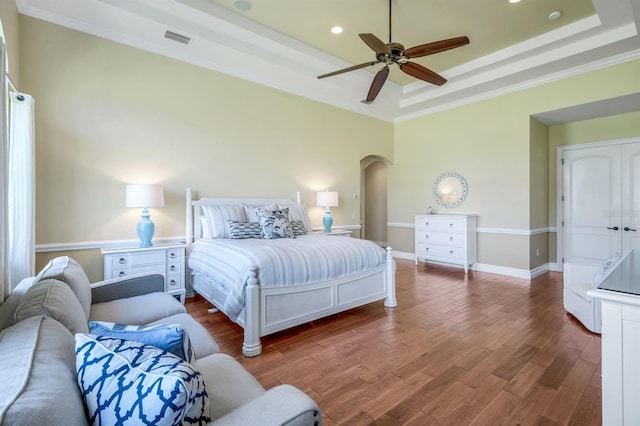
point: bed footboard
(390, 274)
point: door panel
(630, 196)
(592, 203)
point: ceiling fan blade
(375, 44)
(353, 68)
(423, 73)
(435, 47)
(377, 83)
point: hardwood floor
(478, 350)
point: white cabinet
(446, 238)
(167, 260)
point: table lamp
(327, 199)
(145, 196)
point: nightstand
(164, 259)
(336, 232)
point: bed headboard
(194, 209)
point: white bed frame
(271, 309)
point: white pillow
(217, 216)
(299, 212)
(252, 211)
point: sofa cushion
(128, 382)
(229, 385)
(8, 307)
(70, 272)
(37, 366)
(201, 340)
(170, 337)
(54, 299)
(137, 310)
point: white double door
(601, 206)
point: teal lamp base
(327, 221)
(145, 229)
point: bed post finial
(189, 216)
(251, 345)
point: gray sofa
(38, 322)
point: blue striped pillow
(243, 230)
(170, 337)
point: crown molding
(229, 43)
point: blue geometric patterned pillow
(243, 230)
(125, 382)
(275, 224)
(170, 337)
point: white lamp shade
(327, 199)
(144, 196)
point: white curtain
(5, 285)
(21, 189)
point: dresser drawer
(444, 253)
(173, 282)
(442, 238)
(439, 224)
(125, 259)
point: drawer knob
(172, 255)
(172, 267)
(172, 283)
(450, 251)
(426, 237)
(122, 261)
(451, 225)
(426, 224)
(426, 249)
(122, 274)
(450, 238)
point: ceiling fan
(395, 53)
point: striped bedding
(305, 259)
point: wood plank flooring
(483, 349)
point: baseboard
(494, 269)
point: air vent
(177, 37)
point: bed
(269, 285)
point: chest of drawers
(449, 239)
(167, 260)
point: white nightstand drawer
(173, 283)
(443, 238)
(138, 258)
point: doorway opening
(373, 202)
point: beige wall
(490, 144)
(10, 26)
(108, 115)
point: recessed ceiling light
(514, 1)
(242, 5)
(336, 30)
(555, 15)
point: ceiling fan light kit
(395, 53)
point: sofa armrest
(120, 288)
(281, 405)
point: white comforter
(304, 259)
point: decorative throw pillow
(299, 212)
(243, 230)
(275, 224)
(251, 212)
(126, 382)
(171, 337)
(217, 216)
(297, 227)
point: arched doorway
(373, 203)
